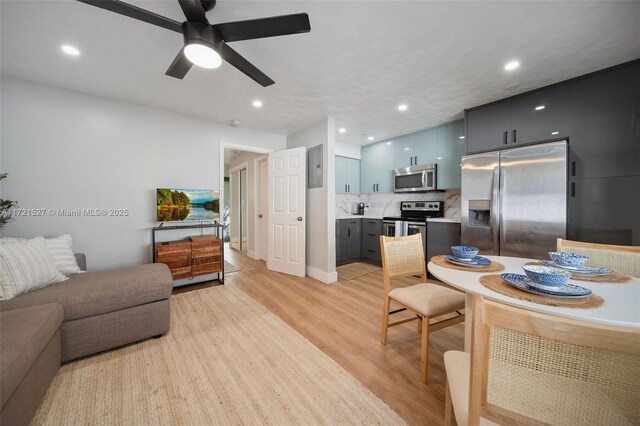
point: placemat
(615, 277)
(442, 261)
(496, 283)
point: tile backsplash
(388, 203)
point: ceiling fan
(205, 45)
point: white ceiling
(360, 60)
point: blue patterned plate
(579, 270)
(567, 290)
(476, 262)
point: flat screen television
(181, 205)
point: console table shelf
(191, 256)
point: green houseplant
(6, 206)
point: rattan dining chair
(404, 257)
(532, 368)
(623, 259)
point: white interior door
(286, 218)
(263, 209)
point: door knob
(260, 216)
(299, 218)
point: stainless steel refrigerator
(514, 202)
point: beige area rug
(351, 271)
(229, 268)
(227, 360)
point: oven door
(389, 229)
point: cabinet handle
(415, 163)
(348, 232)
(374, 187)
(348, 188)
(371, 251)
(505, 138)
(372, 235)
(411, 160)
(345, 188)
(514, 136)
(377, 187)
(573, 168)
(573, 189)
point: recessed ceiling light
(342, 130)
(540, 107)
(370, 138)
(70, 50)
(554, 133)
(402, 107)
(388, 143)
(202, 55)
(461, 137)
(257, 103)
(511, 65)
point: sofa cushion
(94, 293)
(25, 333)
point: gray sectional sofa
(86, 314)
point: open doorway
(244, 201)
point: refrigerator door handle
(495, 215)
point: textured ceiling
(360, 60)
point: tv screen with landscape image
(178, 205)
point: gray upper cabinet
(605, 124)
(487, 127)
(540, 116)
(535, 117)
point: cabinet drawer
(372, 226)
(206, 268)
(176, 262)
(370, 244)
(173, 249)
(179, 273)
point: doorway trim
(240, 147)
(257, 246)
(242, 166)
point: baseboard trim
(323, 277)
(252, 254)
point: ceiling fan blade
(135, 12)
(180, 66)
(264, 27)
(235, 59)
(193, 10)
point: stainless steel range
(413, 218)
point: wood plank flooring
(343, 320)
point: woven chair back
(623, 259)
(401, 257)
(535, 369)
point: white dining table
(621, 300)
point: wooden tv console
(191, 257)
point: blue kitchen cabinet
(404, 151)
(450, 149)
(347, 175)
(378, 161)
(425, 147)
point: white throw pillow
(61, 250)
(25, 266)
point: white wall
(321, 235)
(247, 157)
(69, 150)
(348, 150)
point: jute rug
(227, 360)
(354, 270)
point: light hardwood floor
(343, 320)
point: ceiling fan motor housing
(199, 32)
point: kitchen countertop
(357, 216)
(443, 219)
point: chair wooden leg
(419, 327)
(424, 358)
(448, 407)
(385, 321)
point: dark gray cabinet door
(605, 124)
(353, 237)
(341, 241)
(605, 210)
(488, 127)
(540, 116)
(440, 237)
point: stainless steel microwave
(415, 179)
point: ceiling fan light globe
(202, 55)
